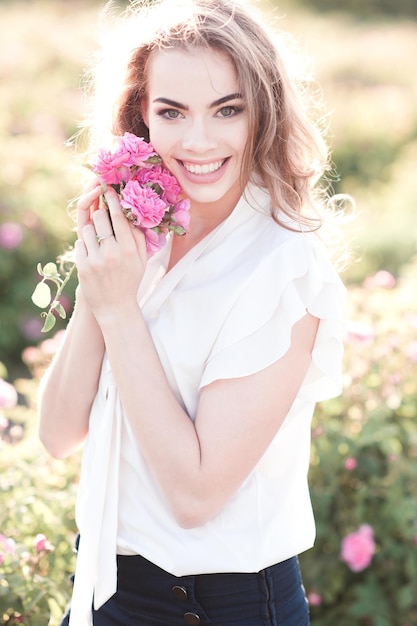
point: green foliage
(42, 296)
(37, 497)
(364, 465)
(40, 107)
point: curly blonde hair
(285, 153)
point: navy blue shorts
(148, 596)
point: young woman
(192, 375)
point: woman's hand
(87, 204)
(110, 254)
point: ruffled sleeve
(297, 276)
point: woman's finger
(121, 226)
(125, 233)
(80, 252)
(90, 239)
(102, 223)
(87, 204)
(140, 241)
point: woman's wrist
(114, 317)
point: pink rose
(382, 279)
(154, 241)
(182, 218)
(162, 177)
(8, 395)
(111, 166)
(358, 548)
(314, 599)
(181, 214)
(42, 544)
(137, 149)
(7, 546)
(357, 331)
(146, 206)
(350, 463)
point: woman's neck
(204, 218)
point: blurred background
(364, 457)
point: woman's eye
(170, 114)
(230, 111)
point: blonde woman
(192, 376)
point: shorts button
(179, 592)
(192, 619)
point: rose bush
(37, 496)
(364, 467)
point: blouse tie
(96, 569)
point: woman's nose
(198, 136)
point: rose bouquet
(149, 194)
(151, 200)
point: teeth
(207, 168)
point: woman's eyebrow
(232, 96)
(184, 107)
(172, 103)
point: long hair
(286, 152)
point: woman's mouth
(204, 168)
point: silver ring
(99, 238)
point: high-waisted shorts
(148, 596)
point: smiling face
(198, 123)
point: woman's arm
(200, 465)
(70, 384)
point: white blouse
(225, 310)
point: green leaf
(49, 322)
(177, 229)
(60, 310)
(157, 188)
(50, 269)
(41, 297)
(155, 160)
